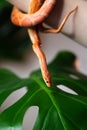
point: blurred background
(16, 54)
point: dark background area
(13, 40)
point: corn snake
(33, 33)
(38, 12)
(27, 20)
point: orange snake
(38, 11)
(33, 33)
(27, 20)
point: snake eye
(47, 81)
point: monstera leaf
(58, 110)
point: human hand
(75, 27)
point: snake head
(47, 80)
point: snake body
(33, 33)
(27, 20)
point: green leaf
(3, 3)
(58, 110)
(9, 82)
